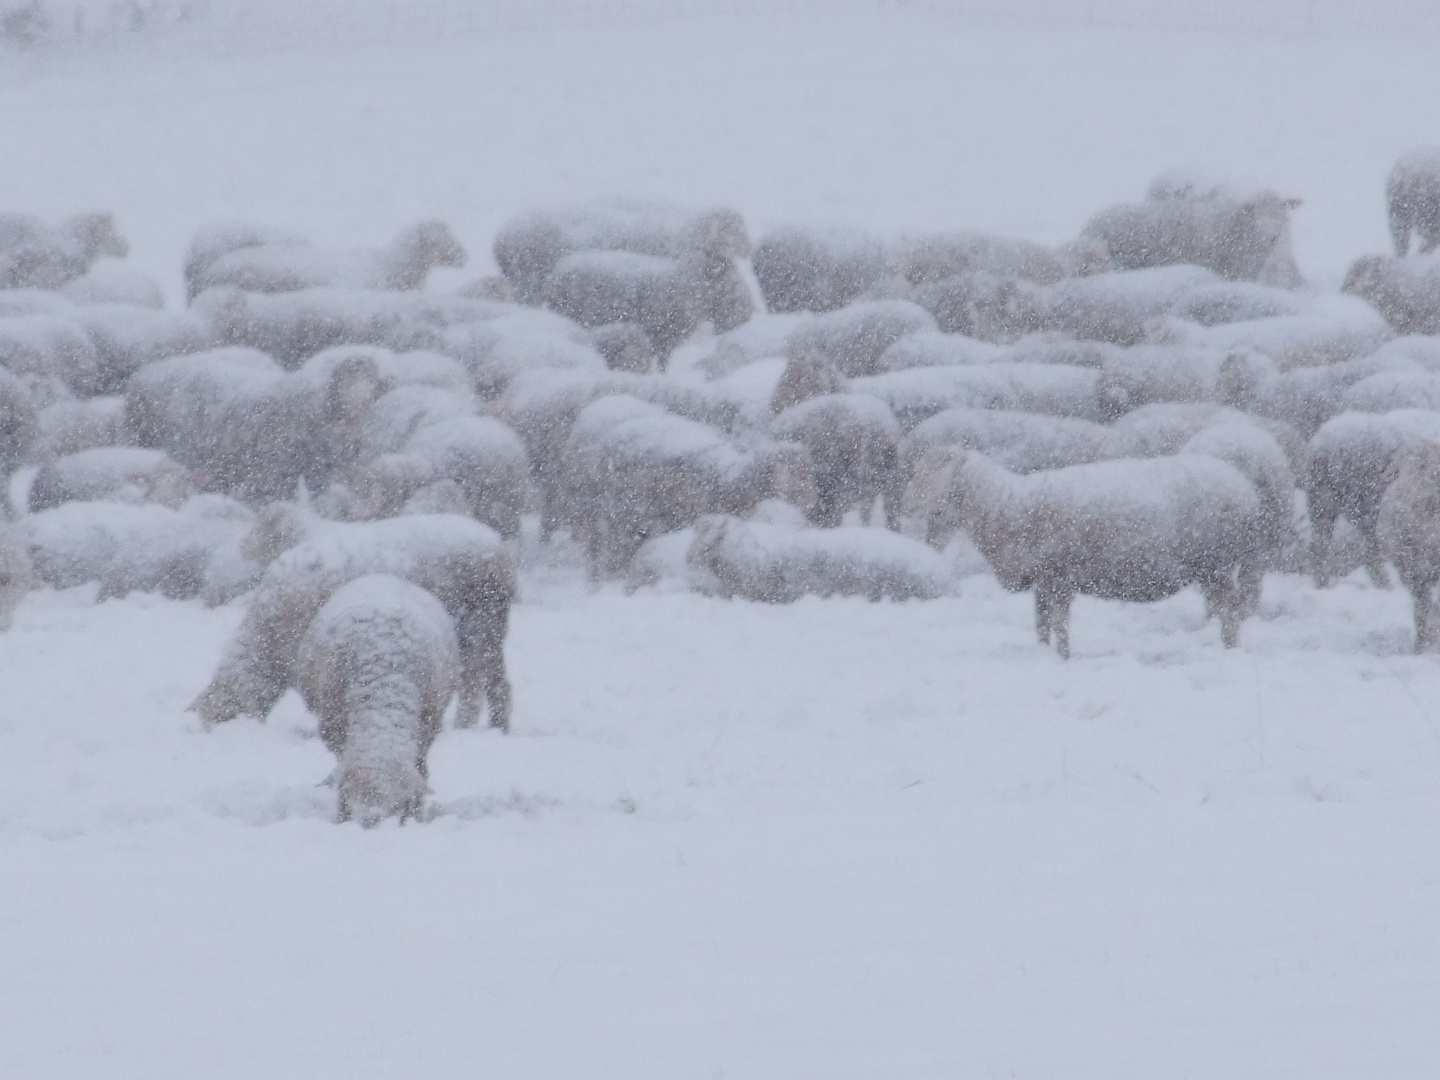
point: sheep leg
(1060, 621)
(1422, 592)
(1400, 234)
(1429, 245)
(1252, 576)
(1324, 513)
(1375, 561)
(1224, 599)
(1043, 602)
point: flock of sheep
(1137, 411)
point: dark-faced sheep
(377, 667)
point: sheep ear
(1294, 204)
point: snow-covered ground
(829, 839)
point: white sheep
(146, 548)
(1386, 391)
(1147, 374)
(853, 338)
(16, 571)
(1306, 397)
(648, 472)
(377, 667)
(853, 440)
(1117, 308)
(1242, 237)
(114, 473)
(462, 563)
(19, 423)
(818, 269)
(54, 347)
(479, 454)
(402, 264)
(1052, 389)
(111, 281)
(1407, 531)
(1123, 530)
(1328, 329)
(1348, 458)
(37, 255)
(937, 349)
(1405, 291)
(1412, 194)
(218, 239)
(529, 249)
(247, 428)
(764, 337)
(983, 305)
(127, 337)
(498, 350)
(937, 256)
(657, 293)
(778, 565)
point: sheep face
(370, 792)
(278, 527)
(720, 233)
(355, 385)
(430, 244)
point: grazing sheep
(219, 239)
(1240, 237)
(462, 563)
(778, 565)
(35, 255)
(853, 338)
(146, 548)
(16, 572)
(1412, 193)
(853, 440)
(481, 455)
(1328, 329)
(19, 423)
(1348, 459)
(111, 281)
(51, 347)
(817, 270)
(401, 264)
(293, 326)
(1121, 530)
(659, 294)
(645, 472)
(378, 666)
(247, 428)
(1407, 531)
(625, 347)
(1405, 291)
(112, 473)
(939, 256)
(529, 249)
(1052, 389)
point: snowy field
(725, 839)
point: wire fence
(266, 25)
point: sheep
(117, 473)
(1406, 292)
(1053, 389)
(853, 338)
(1146, 374)
(40, 256)
(807, 374)
(51, 347)
(529, 249)
(625, 347)
(1306, 397)
(19, 422)
(938, 256)
(983, 305)
(1328, 329)
(247, 428)
(462, 563)
(293, 326)
(763, 337)
(1117, 308)
(481, 455)
(377, 667)
(937, 349)
(16, 572)
(400, 265)
(1412, 195)
(651, 472)
(657, 293)
(111, 281)
(1138, 530)
(149, 547)
(219, 239)
(777, 565)
(498, 350)
(1235, 301)
(853, 440)
(1348, 458)
(1407, 532)
(127, 337)
(1019, 441)
(1242, 237)
(817, 270)
(1386, 391)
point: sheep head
(720, 232)
(97, 236)
(420, 248)
(279, 526)
(371, 791)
